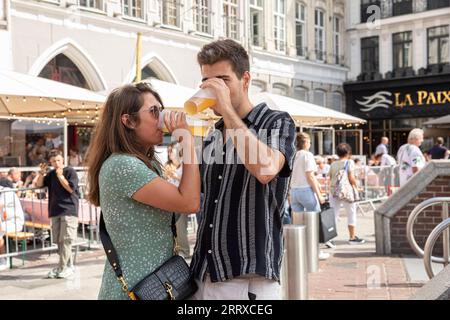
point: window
(202, 16)
(370, 55)
(301, 93)
(320, 97)
(279, 25)
(337, 40)
(94, 4)
(171, 12)
(133, 8)
(402, 45)
(436, 4)
(230, 19)
(257, 86)
(319, 24)
(400, 7)
(62, 69)
(337, 101)
(300, 29)
(438, 45)
(365, 4)
(256, 20)
(279, 88)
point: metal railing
(426, 254)
(26, 223)
(442, 228)
(374, 183)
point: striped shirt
(241, 227)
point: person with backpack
(343, 189)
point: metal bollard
(311, 221)
(294, 270)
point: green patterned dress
(141, 234)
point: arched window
(301, 93)
(148, 72)
(279, 88)
(320, 97)
(62, 69)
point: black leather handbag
(170, 281)
(327, 224)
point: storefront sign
(427, 100)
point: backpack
(343, 189)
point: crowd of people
(241, 203)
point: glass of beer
(196, 126)
(201, 100)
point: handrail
(431, 241)
(412, 218)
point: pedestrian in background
(173, 171)
(410, 157)
(438, 151)
(344, 152)
(63, 196)
(305, 189)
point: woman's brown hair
(111, 136)
(301, 140)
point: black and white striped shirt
(241, 227)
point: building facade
(399, 77)
(296, 47)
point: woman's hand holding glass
(173, 120)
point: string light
(69, 102)
(54, 99)
(40, 99)
(24, 99)
(7, 99)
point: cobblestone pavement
(356, 272)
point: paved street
(352, 272)
(356, 272)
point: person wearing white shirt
(410, 157)
(382, 147)
(322, 167)
(11, 218)
(305, 192)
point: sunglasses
(155, 111)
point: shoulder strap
(113, 257)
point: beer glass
(201, 100)
(197, 127)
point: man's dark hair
(343, 149)
(55, 153)
(225, 50)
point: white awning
(173, 95)
(22, 94)
(304, 113)
(442, 120)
